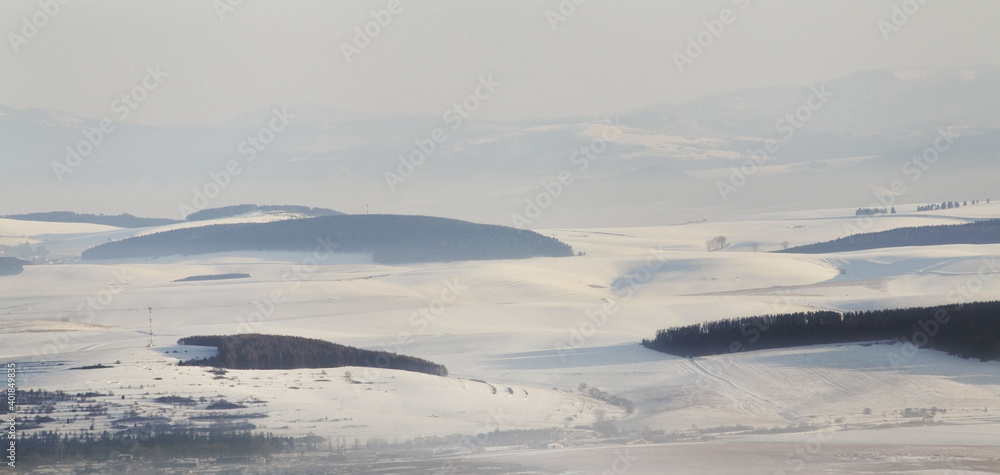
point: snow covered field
(521, 338)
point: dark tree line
(968, 331)
(236, 210)
(978, 232)
(123, 220)
(389, 238)
(256, 351)
(619, 401)
(194, 278)
(12, 265)
(946, 205)
(33, 397)
(873, 211)
(149, 443)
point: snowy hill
(525, 341)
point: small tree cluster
(610, 399)
(872, 211)
(946, 205)
(716, 243)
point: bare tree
(784, 244)
(716, 243)
(755, 246)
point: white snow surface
(519, 336)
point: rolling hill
(256, 351)
(389, 238)
(236, 210)
(978, 232)
(123, 220)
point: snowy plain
(520, 336)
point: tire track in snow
(750, 403)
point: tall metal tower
(150, 327)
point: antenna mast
(151, 345)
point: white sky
(608, 57)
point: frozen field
(520, 337)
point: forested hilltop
(969, 330)
(978, 232)
(389, 238)
(124, 220)
(12, 265)
(256, 351)
(236, 210)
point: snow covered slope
(518, 336)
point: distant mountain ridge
(389, 238)
(123, 220)
(236, 210)
(871, 124)
(863, 103)
(126, 220)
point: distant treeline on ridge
(978, 232)
(256, 351)
(236, 210)
(124, 220)
(12, 265)
(389, 238)
(195, 278)
(969, 330)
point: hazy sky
(606, 57)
